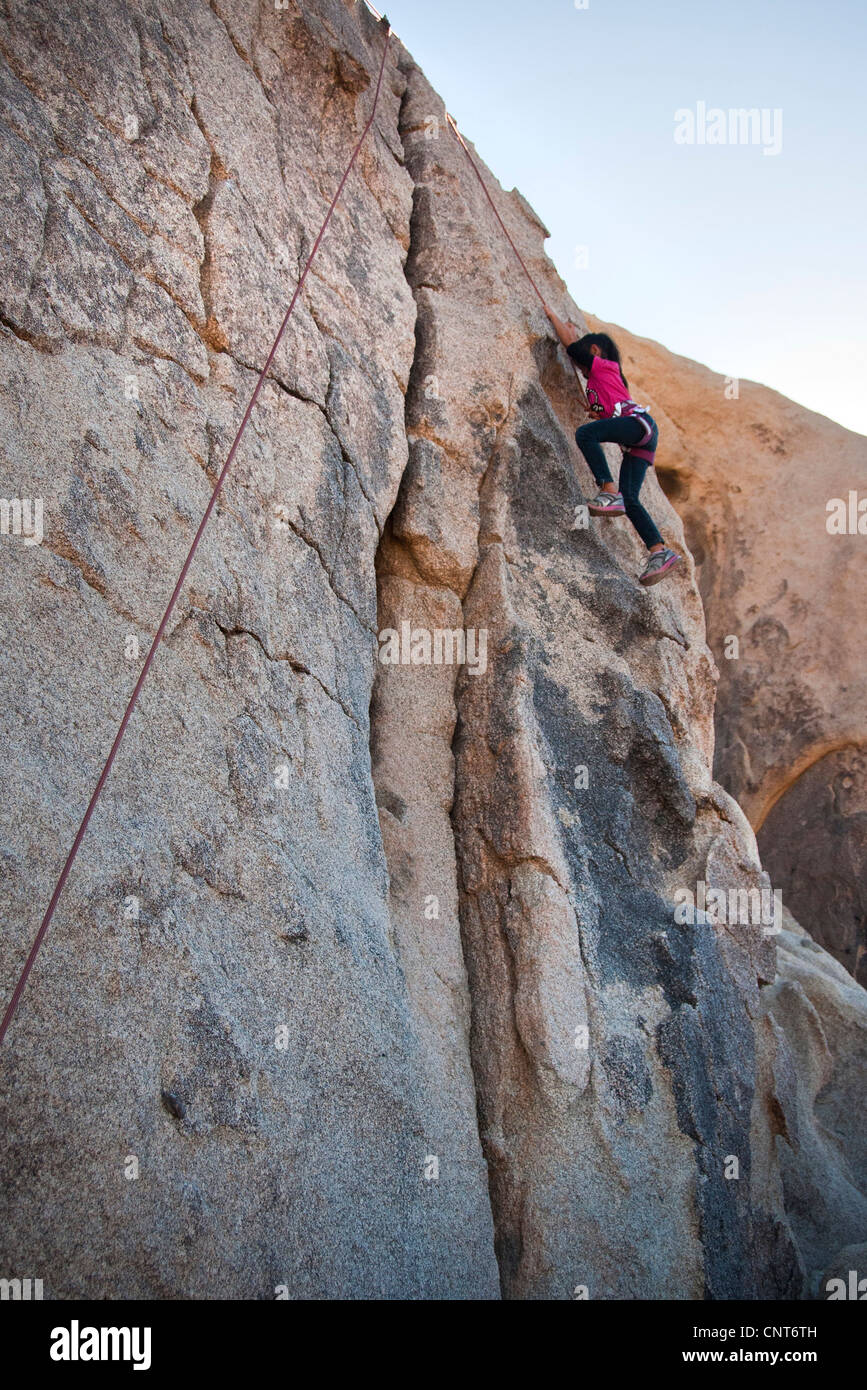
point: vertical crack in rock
(412, 718)
(430, 559)
(211, 332)
(521, 943)
(608, 1096)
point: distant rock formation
(369, 981)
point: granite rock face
(815, 1046)
(769, 494)
(368, 981)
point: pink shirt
(605, 387)
(606, 391)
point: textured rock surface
(752, 474)
(372, 968)
(816, 1046)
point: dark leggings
(621, 430)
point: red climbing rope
(82, 829)
(460, 139)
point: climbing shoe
(658, 566)
(607, 504)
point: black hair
(580, 352)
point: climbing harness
(633, 411)
(460, 139)
(133, 700)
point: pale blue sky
(753, 264)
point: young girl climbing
(619, 420)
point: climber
(619, 420)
